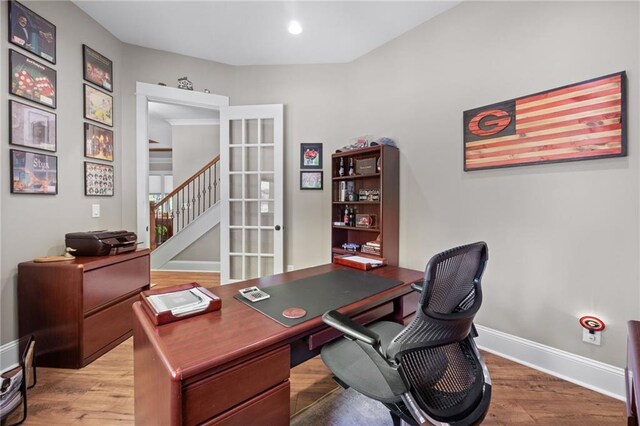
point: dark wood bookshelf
(386, 209)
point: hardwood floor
(102, 393)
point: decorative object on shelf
(369, 195)
(32, 80)
(365, 220)
(98, 69)
(341, 168)
(310, 180)
(98, 142)
(533, 129)
(184, 83)
(366, 141)
(32, 127)
(350, 246)
(352, 172)
(98, 105)
(310, 155)
(32, 32)
(383, 141)
(366, 166)
(207, 91)
(372, 247)
(98, 179)
(33, 173)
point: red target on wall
(592, 323)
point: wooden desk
(632, 372)
(231, 367)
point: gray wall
(34, 225)
(563, 238)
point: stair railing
(185, 203)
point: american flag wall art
(580, 121)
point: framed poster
(310, 155)
(98, 69)
(32, 127)
(33, 173)
(32, 80)
(98, 179)
(310, 180)
(98, 142)
(98, 106)
(580, 121)
(32, 32)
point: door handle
(277, 227)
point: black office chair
(430, 371)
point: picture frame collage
(98, 115)
(32, 128)
(311, 177)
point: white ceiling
(255, 33)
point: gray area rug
(343, 408)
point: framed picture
(33, 173)
(98, 179)
(32, 127)
(32, 32)
(580, 121)
(310, 155)
(98, 69)
(98, 142)
(98, 106)
(310, 180)
(32, 80)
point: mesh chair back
(435, 352)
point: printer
(101, 243)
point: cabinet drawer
(270, 408)
(106, 326)
(213, 395)
(103, 285)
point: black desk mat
(319, 294)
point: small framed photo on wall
(98, 69)
(32, 80)
(98, 179)
(33, 173)
(32, 32)
(310, 180)
(98, 142)
(32, 127)
(98, 106)
(310, 155)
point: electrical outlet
(289, 268)
(591, 337)
(95, 210)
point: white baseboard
(190, 266)
(591, 374)
(9, 356)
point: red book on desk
(363, 263)
(164, 316)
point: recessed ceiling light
(294, 27)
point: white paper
(363, 260)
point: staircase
(185, 214)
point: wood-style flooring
(102, 393)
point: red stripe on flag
(522, 110)
(592, 121)
(558, 157)
(612, 79)
(570, 111)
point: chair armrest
(418, 286)
(350, 328)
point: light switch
(95, 210)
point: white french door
(251, 235)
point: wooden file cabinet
(81, 309)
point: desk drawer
(103, 285)
(410, 303)
(106, 326)
(270, 408)
(213, 395)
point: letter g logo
(487, 123)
